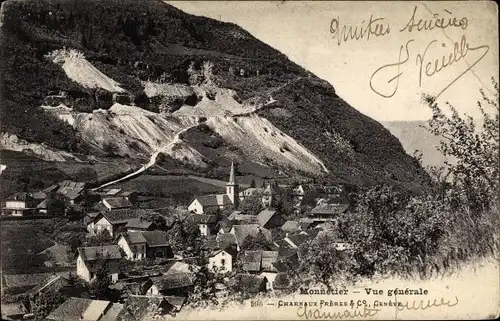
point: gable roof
(203, 218)
(298, 239)
(133, 237)
(28, 280)
(213, 200)
(155, 238)
(138, 223)
(252, 191)
(79, 309)
(172, 281)
(176, 301)
(242, 231)
(237, 216)
(251, 260)
(264, 216)
(71, 189)
(92, 253)
(290, 226)
(39, 195)
(268, 259)
(229, 249)
(112, 312)
(123, 216)
(226, 239)
(116, 202)
(329, 209)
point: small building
(72, 191)
(176, 284)
(327, 212)
(116, 203)
(269, 219)
(251, 192)
(20, 204)
(89, 259)
(268, 269)
(242, 231)
(209, 203)
(206, 223)
(221, 260)
(237, 217)
(113, 220)
(250, 261)
(145, 244)
(270, 195)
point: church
(210, 203)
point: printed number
(256, 304)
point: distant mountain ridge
(153, 74)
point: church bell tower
(232, 188)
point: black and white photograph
(249, 160)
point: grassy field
(179, 188)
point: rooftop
(92, 253)
(79, 309)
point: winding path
(151, 162)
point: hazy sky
(302, 31)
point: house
(250, 261)
(252, 283)
(88, 261)
(269, 219)
(72, 191)
(267, 267)
(213, 202)
(20, 204)
(222, 259)
(145, 244)
(241, 232)
(238, 218)
(74, 309)
(170, 284)
(270, 195)
(206, 223)
(251, 192)
(113, 220)
(327, 212)
(55, 284)
(145, 308)
(116, 203)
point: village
(249, 238)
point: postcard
(253, 160)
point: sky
(360, 69)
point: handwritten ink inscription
(437, 56)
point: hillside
(128, 79)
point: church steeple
(232, 188)
(231, 174)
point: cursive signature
(435, 22)
(376, 27)
(428, 65)
(316, 314)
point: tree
(56, 204)
(475, 175)
(258, 242)
(252, 204)
(99, 286)
(45, 303)
(253, 184)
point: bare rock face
(265, 107)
